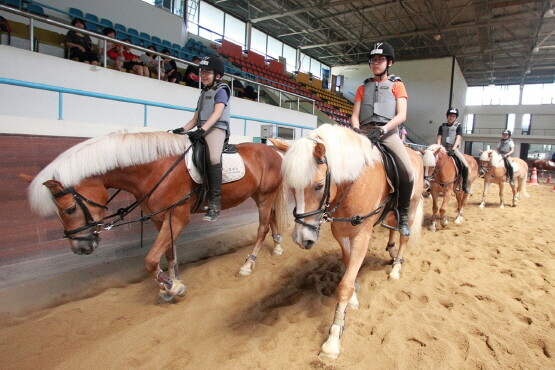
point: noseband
(89, 220)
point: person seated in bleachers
(250, 93)
(192, 74)
(114, 51)
(170, 69)
(150, 60)
(133, 62)
(79, 45)
(238, 88)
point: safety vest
(378, 103)
(449, 134)
(505, 146)
(205, 107)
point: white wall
(428, 85)
(48, 70)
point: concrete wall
(428, 85)
(48, 70)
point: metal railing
(517, 132)
(32, 18)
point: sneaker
(211, 215)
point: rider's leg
(406, 178)
(510, 171)
(215, 142)
(464, 170)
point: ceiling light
(437, 37)
(527, 72)
(535, 50)
(548, 13)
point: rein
(325, 203)
(436, 172)
(489, 167)
(120, 213)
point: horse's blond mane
(496, 158)
(428, 157)
(99, 155)
(347, 154)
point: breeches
(215, 139)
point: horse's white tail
(280, 207)
(523, 186)
(416, 226)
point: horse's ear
(281, 145)
(422, 151)
(481, 151)
(25, 177)
(320, 151)
(54, 186)
(438, 150)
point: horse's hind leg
(443, 210)
(462, 198)
(501, 198)
(277, 251)
(264, 210)
(434, 210)
(484, 194)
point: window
(286, 133)
(469, 124)
(493, 95)
(538, 94)
(289, 53)
(211, 22)
(511, 122)
(258, 41)
(235, 30)
(274, 48)
(316, 68)
(305, 63)
(525, 125)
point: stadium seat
(106, 23)
(13, 3)
(35, 9)
(120, 28)
(91, 22)
(76, 13)
(145, 38)
(133, 32)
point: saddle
(233, 167)
(392, 176)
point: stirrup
(211, 215)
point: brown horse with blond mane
(338, 176)
(442, 176)
(150, 166)
(492, 168)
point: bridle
(437, 169)
(486, 170)
(89, 219)
(327, 213)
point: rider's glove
(375, 134)
(196, 135)
(451, 152)
(179, 131)
(357, 130)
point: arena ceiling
(494, 41)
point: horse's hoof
(458, 221)
(244, 271)
(432, 228)
(277, 251)
(481, 205)
(180, 291)
(166, 297)
(501, 206)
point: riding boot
(510, 171)
(405, 193)
(214, 192)
(464, 174)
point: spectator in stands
(238, 88)
(212, 121)
(114, 51)
(192, 78)
(80, 45)
(388, 93)
(553, 157)
(150, 60)
(250, 93)
(170, 69)
(133, 63)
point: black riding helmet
(383, 48)
(508, 132)
(452, 110)
(214, 64)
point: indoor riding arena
(100, 197)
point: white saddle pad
(515, 166)
(233, 168)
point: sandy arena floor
(477, 295)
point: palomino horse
(441, 173)
(492, 168)
(75, 187)
(337, 175)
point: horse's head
(430, 157)
(79, 213)
(312, 190)
(485, 161)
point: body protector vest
(505, 146)
(378, 103)
(449, 134)
(206, 105)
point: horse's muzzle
(85, 247)
(308, 244)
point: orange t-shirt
(398, 91)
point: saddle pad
(233, 168)
(551, 163)
(515, 166)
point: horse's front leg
(345, 244)
(443, 210)
(276, 235)
(462, 198)
(435, 208)
(501, 198)
(484, 194)
(359, 246)
(264, 210)
(515, 194)
(170, 286)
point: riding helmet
(452, 110)
(214, 64)
(383, 48)
(508, 132)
